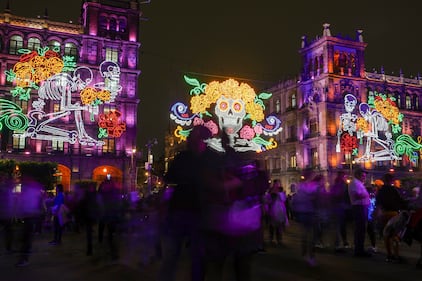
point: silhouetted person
(183, 216)
(340, 206)
(87, 212)
(112, 210)
(304, 207)
(58, 218)
(231, 201)
(29, 208)
(6, 210)
(389, 200)
(359, 198)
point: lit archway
(63, 176)
(102, 172)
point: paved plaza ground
(68, 262)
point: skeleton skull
(350, 102)
(230, 114)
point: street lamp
(148, 164)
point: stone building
(311, 107)
(82, 117)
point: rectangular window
(112, 55)
(314, 157)
(18, 140)
(109, 146)
(293, 160)
(57, 145)
(292, 132)
(313, 126)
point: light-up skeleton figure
(110, 71)
(348, 119)
(377, 123)
(230, 113)
(60, 87)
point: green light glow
(12, 116)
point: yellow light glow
(229, 89)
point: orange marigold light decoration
(230, 89)
(111, 122)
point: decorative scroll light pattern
(56, 78)
(11, 114)
(378, 129)
(237, 110)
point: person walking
(182, 218)
(232, 212)
(277, 213)
(390, 202)
(340, 204)
(304, 207)
(6, 210)
(59, 215)
(359, 198)
(29, 209)
(112, 210)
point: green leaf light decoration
(12, 116)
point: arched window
(398, 100)
(70, 49)
(416, 102)
(293, 101)
(54, 45)
(277, 106)
(113, 24)
(408, 102)
(34, 43)
(16, 43)
(103, 22)
(122, 25)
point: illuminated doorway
(103, 172)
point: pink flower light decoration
(212, 127)
(258, 129)
(247, 132)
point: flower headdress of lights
(379, 115)
(54, 77)
(236, 109)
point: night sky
(254, 41)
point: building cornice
(41, 23)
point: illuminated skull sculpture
(230, 114)
(350, 102)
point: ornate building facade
(76, 86)
(312, 108)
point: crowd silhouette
(219, 207)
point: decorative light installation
(378, 129)
(237, 110)
(57, 78)
(112, 124)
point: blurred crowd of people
(218, 205)
(379, 211)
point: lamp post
(148, 164)
(133, 169)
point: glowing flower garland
(34, 67)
